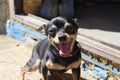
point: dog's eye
(52, 32)
(70, 29)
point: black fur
(45, 51)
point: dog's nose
(62, 38)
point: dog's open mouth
(64, 49)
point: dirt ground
(14, 54)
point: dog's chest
(56, 66)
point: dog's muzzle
(64, 45)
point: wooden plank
(90, 34)
(38, 18)
(99, 49)
(11, 8)
(92, 45)
(30, 21)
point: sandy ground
(14, 54)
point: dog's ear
(77, 22)
(42, 29)
(74, 21)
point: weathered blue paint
(19, 31)
(99, 69)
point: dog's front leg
(44, 73)
(76, 73)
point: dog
(59, 52)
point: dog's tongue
(64, 49)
